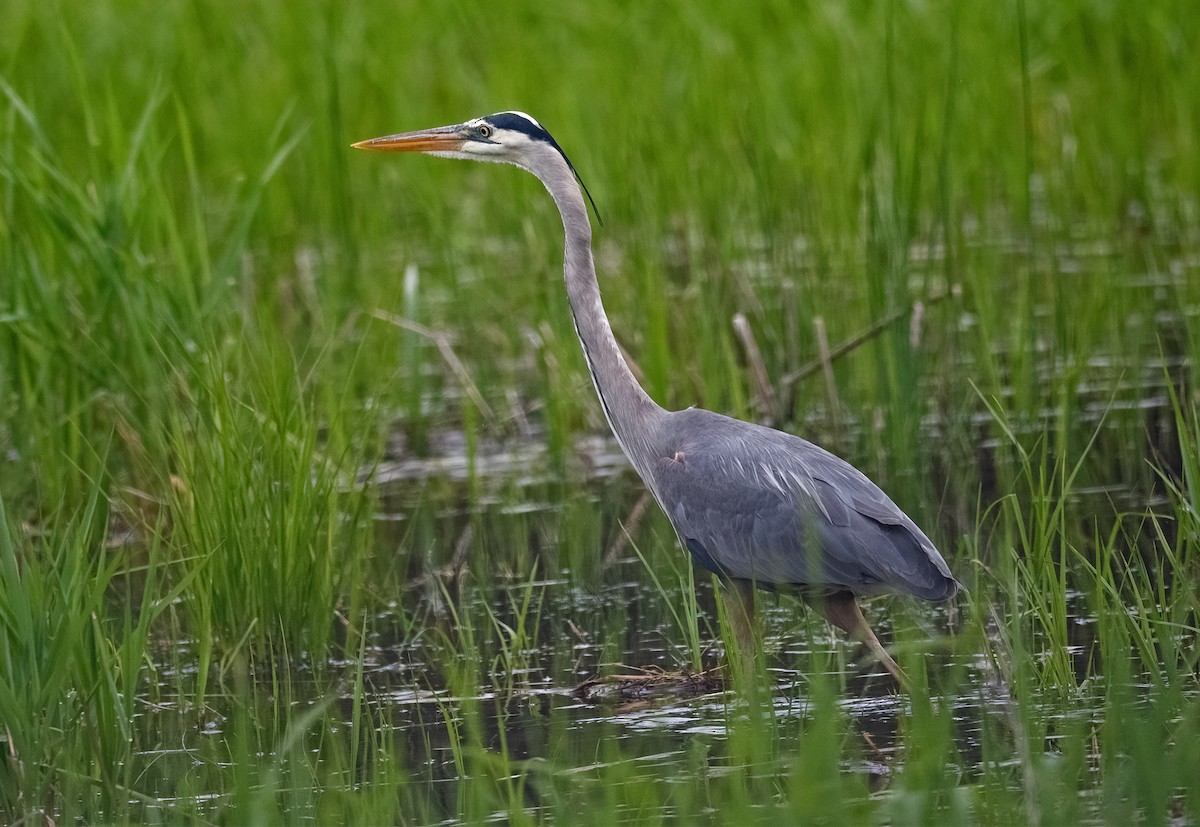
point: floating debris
(649, 683)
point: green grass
(207, 615)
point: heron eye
(485, 132)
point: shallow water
(519, 591)
(536, 707)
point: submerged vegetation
(304, 516)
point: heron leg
(739, 607)
(842, 610)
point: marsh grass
(210, 614)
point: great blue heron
(753, 505)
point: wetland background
(310, 515)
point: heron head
(507, 137)
(511, 137)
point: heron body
(754, 505)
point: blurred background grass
(191, 381)
(178, 180)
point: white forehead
(516, 112)
(527, 117)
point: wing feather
(758, 504)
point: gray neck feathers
(629, 410)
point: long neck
(629, 409)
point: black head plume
(520, 122)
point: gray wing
(757, 504)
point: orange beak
(441, 139)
